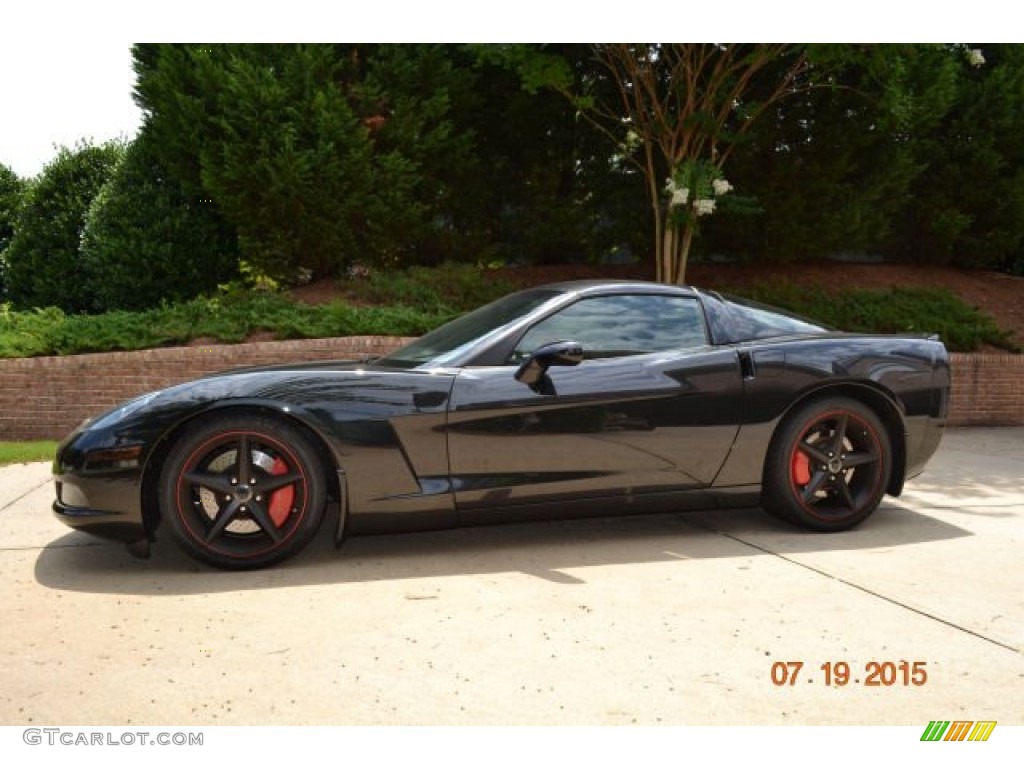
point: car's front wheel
(828, 465)
(242, 491)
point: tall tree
(43, 264)
(146, 241)
(318, 155)
(834, 166)
(967, 204)
(12, 190)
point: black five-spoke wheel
(828, 466)
(243, 491)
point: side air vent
(746, 365)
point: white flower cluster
(677, 195)
(721, 187)
(975, 57)
(701, 206)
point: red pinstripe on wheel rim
(836, 465)
(241, 494)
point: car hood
(318, 365)
(348, 386)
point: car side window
(611, 326)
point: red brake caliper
(282, 499)
(800, 466)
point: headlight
(122, 457)
(120, 412)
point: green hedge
(409, 304)
(898, 310)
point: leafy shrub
(12, 189)
(145, 241)
(227, 318)
(43, 265)
(899, 310)
(415, 308)
(447, 288)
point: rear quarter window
(751, 320)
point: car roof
(619, 286)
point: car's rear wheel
(242, 491)
(828, 465)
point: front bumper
(99, 523)
(102, 500)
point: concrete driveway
(674, 618)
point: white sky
(59, 95)
(65, 65)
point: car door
(653, 408)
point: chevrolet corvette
(572, 399)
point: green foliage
(227, 318)
(908, 151)
(21, 453)
(537, 66)
(449, 288)
(686, 106)
(549, 187)
(43, 264)
(427, 159)
(832, 166)
(325, 156)
(967, 205)
(899, 310)
(146, 241)
(12, 190)
(318, 155)
(412, 302)
(290, 163)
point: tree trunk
(684, 254)
(668, 253)
(660, 227)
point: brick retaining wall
(988, 390)
(46, 397)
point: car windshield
(443, 344)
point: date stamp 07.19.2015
(883, 674)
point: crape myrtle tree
(675, 111)
(43, 263)
(684, 107)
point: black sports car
(578, 398)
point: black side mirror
(532, 371)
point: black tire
(828, 465)
(222, 517)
